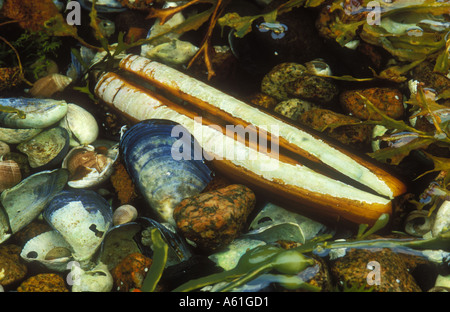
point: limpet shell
(49, 85)
(124, 214)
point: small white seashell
(81, 124)
(318, 67)
(99, 279)
(88, 167)
(418, 223)
(49, 85)
(124, 214)
(442, 221)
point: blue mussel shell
(163, 161)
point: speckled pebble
(212, 220)
(45, 282)
(293, 108)
(273, 82)
(12, 268)
(387, 100)
(130, 272)
(312, 88)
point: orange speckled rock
(123, 184)
(130, 272)
(213, 219)
(12, 267)
(45, 282)
(389, 101)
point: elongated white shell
(124, 96)
(174, 79)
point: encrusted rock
(424, 73)
(130, 272)
(357, 136)
(389, 101)
(212, 220)
(45, 282)
(353, 269)
(12, 267)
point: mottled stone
(357, 136)
(12, 267)
(130, 272)
(388, 101)
(273, 83)
(424, 73)
(312, 88)
(212, 220)
(353, 269)
(45, 282)
(293, 108)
